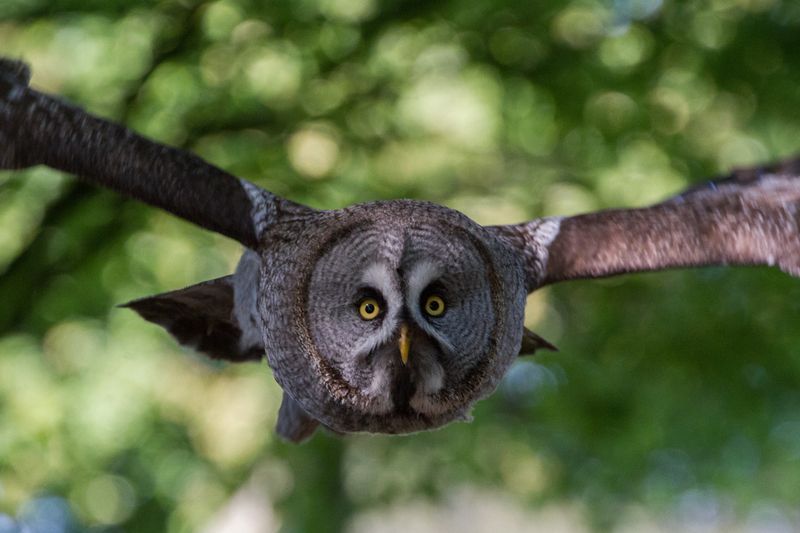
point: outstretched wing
(39, 129)
(751, 217)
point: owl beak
(405, 343)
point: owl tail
(294, 424)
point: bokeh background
(674, 403)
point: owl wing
(201, 317)
(751, 217)
(36, 128)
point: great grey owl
(393, 316)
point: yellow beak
(405, 343)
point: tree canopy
(675, 399)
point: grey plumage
(392, 316)
(323, 354)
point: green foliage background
(674, 402)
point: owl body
(347, 371)
(392, 316)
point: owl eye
(369, 308)
(434, 305)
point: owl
(393, 316)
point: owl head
(390, 317)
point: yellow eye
(434, 305)
(369, 309)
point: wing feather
(36, 128)
(751, 217)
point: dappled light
(674, 401)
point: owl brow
(453, 276)
(367, 291)
(434, 287)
